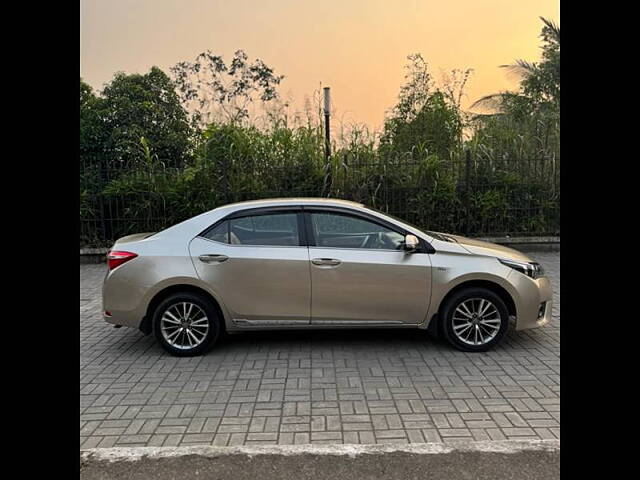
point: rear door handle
(330, 262)
(213, 258)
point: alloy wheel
(476, 321)
(184, 325)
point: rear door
(258, 263)
(360, 273)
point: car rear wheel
(474, 319)
(186, 324)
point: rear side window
(219, 233)
(277, 229)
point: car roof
(273, 202)
(197, 224)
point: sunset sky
(357, 47)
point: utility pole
(327, 129)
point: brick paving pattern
(314, 387)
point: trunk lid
(136, 237)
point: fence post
(102, 181)
(327, 138)
(467, 183)
(327, 128)
(103, 226)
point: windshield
(415, 227)
(442, 237)
(437, 235)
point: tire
(454, 313)
(174, 339)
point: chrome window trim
(300, 246)
(365, 216)
(302, 210)
(255, 212)
(235, 245)
(358, 248)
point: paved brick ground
(314, 387)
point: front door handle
(329, 262)
(213, 258)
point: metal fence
(469, 196)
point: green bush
(233, 163)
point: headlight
(530, 269)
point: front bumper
(530, 295)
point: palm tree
(524, 69)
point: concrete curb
(117, 454)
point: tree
(525, 122)
(86, 95)
(425, 116)
(542, 85)
(213, 91)
(415, 93)
(539, 82)
(89, 126)
(132, 108)
(138, 106)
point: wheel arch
(496, 288)
(489, 285)
(146, 326)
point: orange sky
(357, 47)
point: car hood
(480, 247)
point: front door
(361, 275)
(259, 266)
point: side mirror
(411, 242)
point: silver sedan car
(317, 263)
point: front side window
(345, 231)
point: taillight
(116, 258)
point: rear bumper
(531, 295)
(124, 300)
(124, 319)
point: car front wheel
(474, 319)
(186, 324)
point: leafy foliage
(216, 92)
(425, 116)
(132, 107)
(525, 123)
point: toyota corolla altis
(317, 263)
